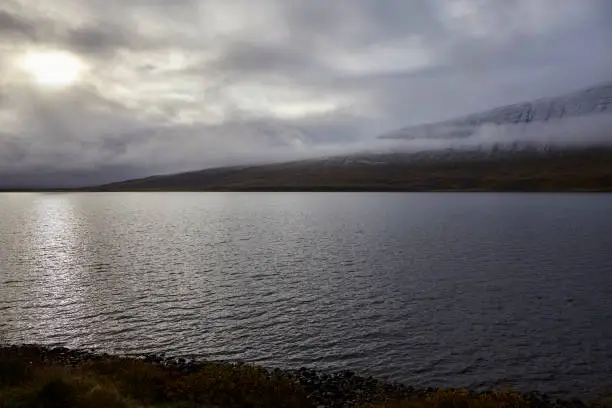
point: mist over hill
(551, 144)
(580, 109)
(443, 170)
(560, 143)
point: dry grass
(36, 377)
(28, 380)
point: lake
(476, 290)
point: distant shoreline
(585, 170)
(309, 190)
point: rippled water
(430, 289)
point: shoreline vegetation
(39, 376)
(569, 170)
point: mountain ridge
(521, 161)
(589, 101)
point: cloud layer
(185, 84)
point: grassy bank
(32, 376)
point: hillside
(555, 170)
(550, 144)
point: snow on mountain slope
(591, 101)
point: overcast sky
(170, 85)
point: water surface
(478, 290)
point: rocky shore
(312, 388)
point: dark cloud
(92, 39)
(169, 86)
(104, 39)
(255, 59)
(11, 26)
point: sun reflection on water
(57, 242)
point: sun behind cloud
(52, 68)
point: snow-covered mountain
(591, 101)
